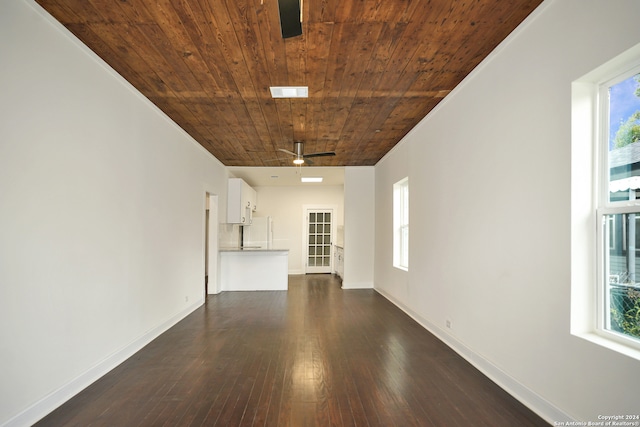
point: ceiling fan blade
(287, 151)
(323, 154)
(290, 18)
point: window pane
(312, 217)
(624, 140)
(404, 247)
(405, 204)
(612, 235)
(327, 217)
(622, 311)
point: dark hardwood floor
(315, 355)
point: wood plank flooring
(315, 355)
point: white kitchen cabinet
(241, 202)
(338, 261)
(249, 197)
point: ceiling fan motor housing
(297, 148)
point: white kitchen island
(252, 269)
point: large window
(401, 224)
(618, 207)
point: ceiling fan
(290, 17)
(300, 157)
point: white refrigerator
(259, 234)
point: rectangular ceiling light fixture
(311, 179)
(289, 91)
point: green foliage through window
(629, 131)
(625, 312)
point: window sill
(609, 344)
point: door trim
(211, 244)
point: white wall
(490, 250)
(102, 202)
(285, 205)
(359, 226)
(391, 169)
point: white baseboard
(52, 401)
(519, 391)
(357, 285)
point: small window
(401, 224)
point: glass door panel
(319, 241)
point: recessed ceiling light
(311, 179)
(289, 91)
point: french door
(319, 238)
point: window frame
(401, 224)
(604, 207)
(586, 275)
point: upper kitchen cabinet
(241, 202)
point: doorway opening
(319, 238)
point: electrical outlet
(448, 323)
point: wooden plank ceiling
(374, 68)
